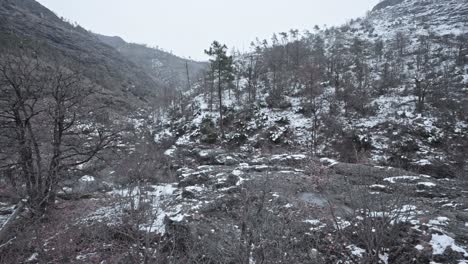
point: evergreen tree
(222, 67)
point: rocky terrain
(315, 209)
(357, 157)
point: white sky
(187, 27)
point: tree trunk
(220, 94)
(211, 92)
(188, 76)
(250, 79)
(421, 97)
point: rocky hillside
(341, 145)
(420, 17)
(30, 24)
(164, 66)
(383, 92)
(346, 121)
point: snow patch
(419, 247)
(441, 242)
(329, 162)
(356, 251)
(398, 178)
(427, 184)
(87, 178)
(439, 221)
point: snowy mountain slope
(346, 147)
(273, 188)
(442, 17)
(387, 127)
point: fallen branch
(7, 243)
(10, 222)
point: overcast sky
(187, 27)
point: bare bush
(373, 222)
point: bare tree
(401, 43)
(253, 71)
(47, 117)
(310, 76)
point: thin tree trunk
(188, 76)
(220, 102)
(211, 92)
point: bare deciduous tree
(48, 124)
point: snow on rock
(461, 126)
(419, 247)
(395, 179)
(441, 242)
(195, 188)
(160, 137)
(329, 162)
(313, 221)
(137, 123)
(87, 179)
(426, 184)
(184, 140)
(226, 159)
(356, 251)
(32, 258)
(170, 152)
(439, 221)
(342, 224)
(159, 197)
(237, 172)
(163, 190)
(377, 186)
(316, 224)
(384, 258)
(422, 162)
(288, 157)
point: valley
(341, 144)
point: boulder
(437, 170)
(208, 156)
(225, 159)
(230, 181)
(449, 256)
(87, 184)
(193, 179)
(186, 194)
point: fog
(186, 27)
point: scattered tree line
(336, 73)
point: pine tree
(222, 67)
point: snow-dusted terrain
(355, 171)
